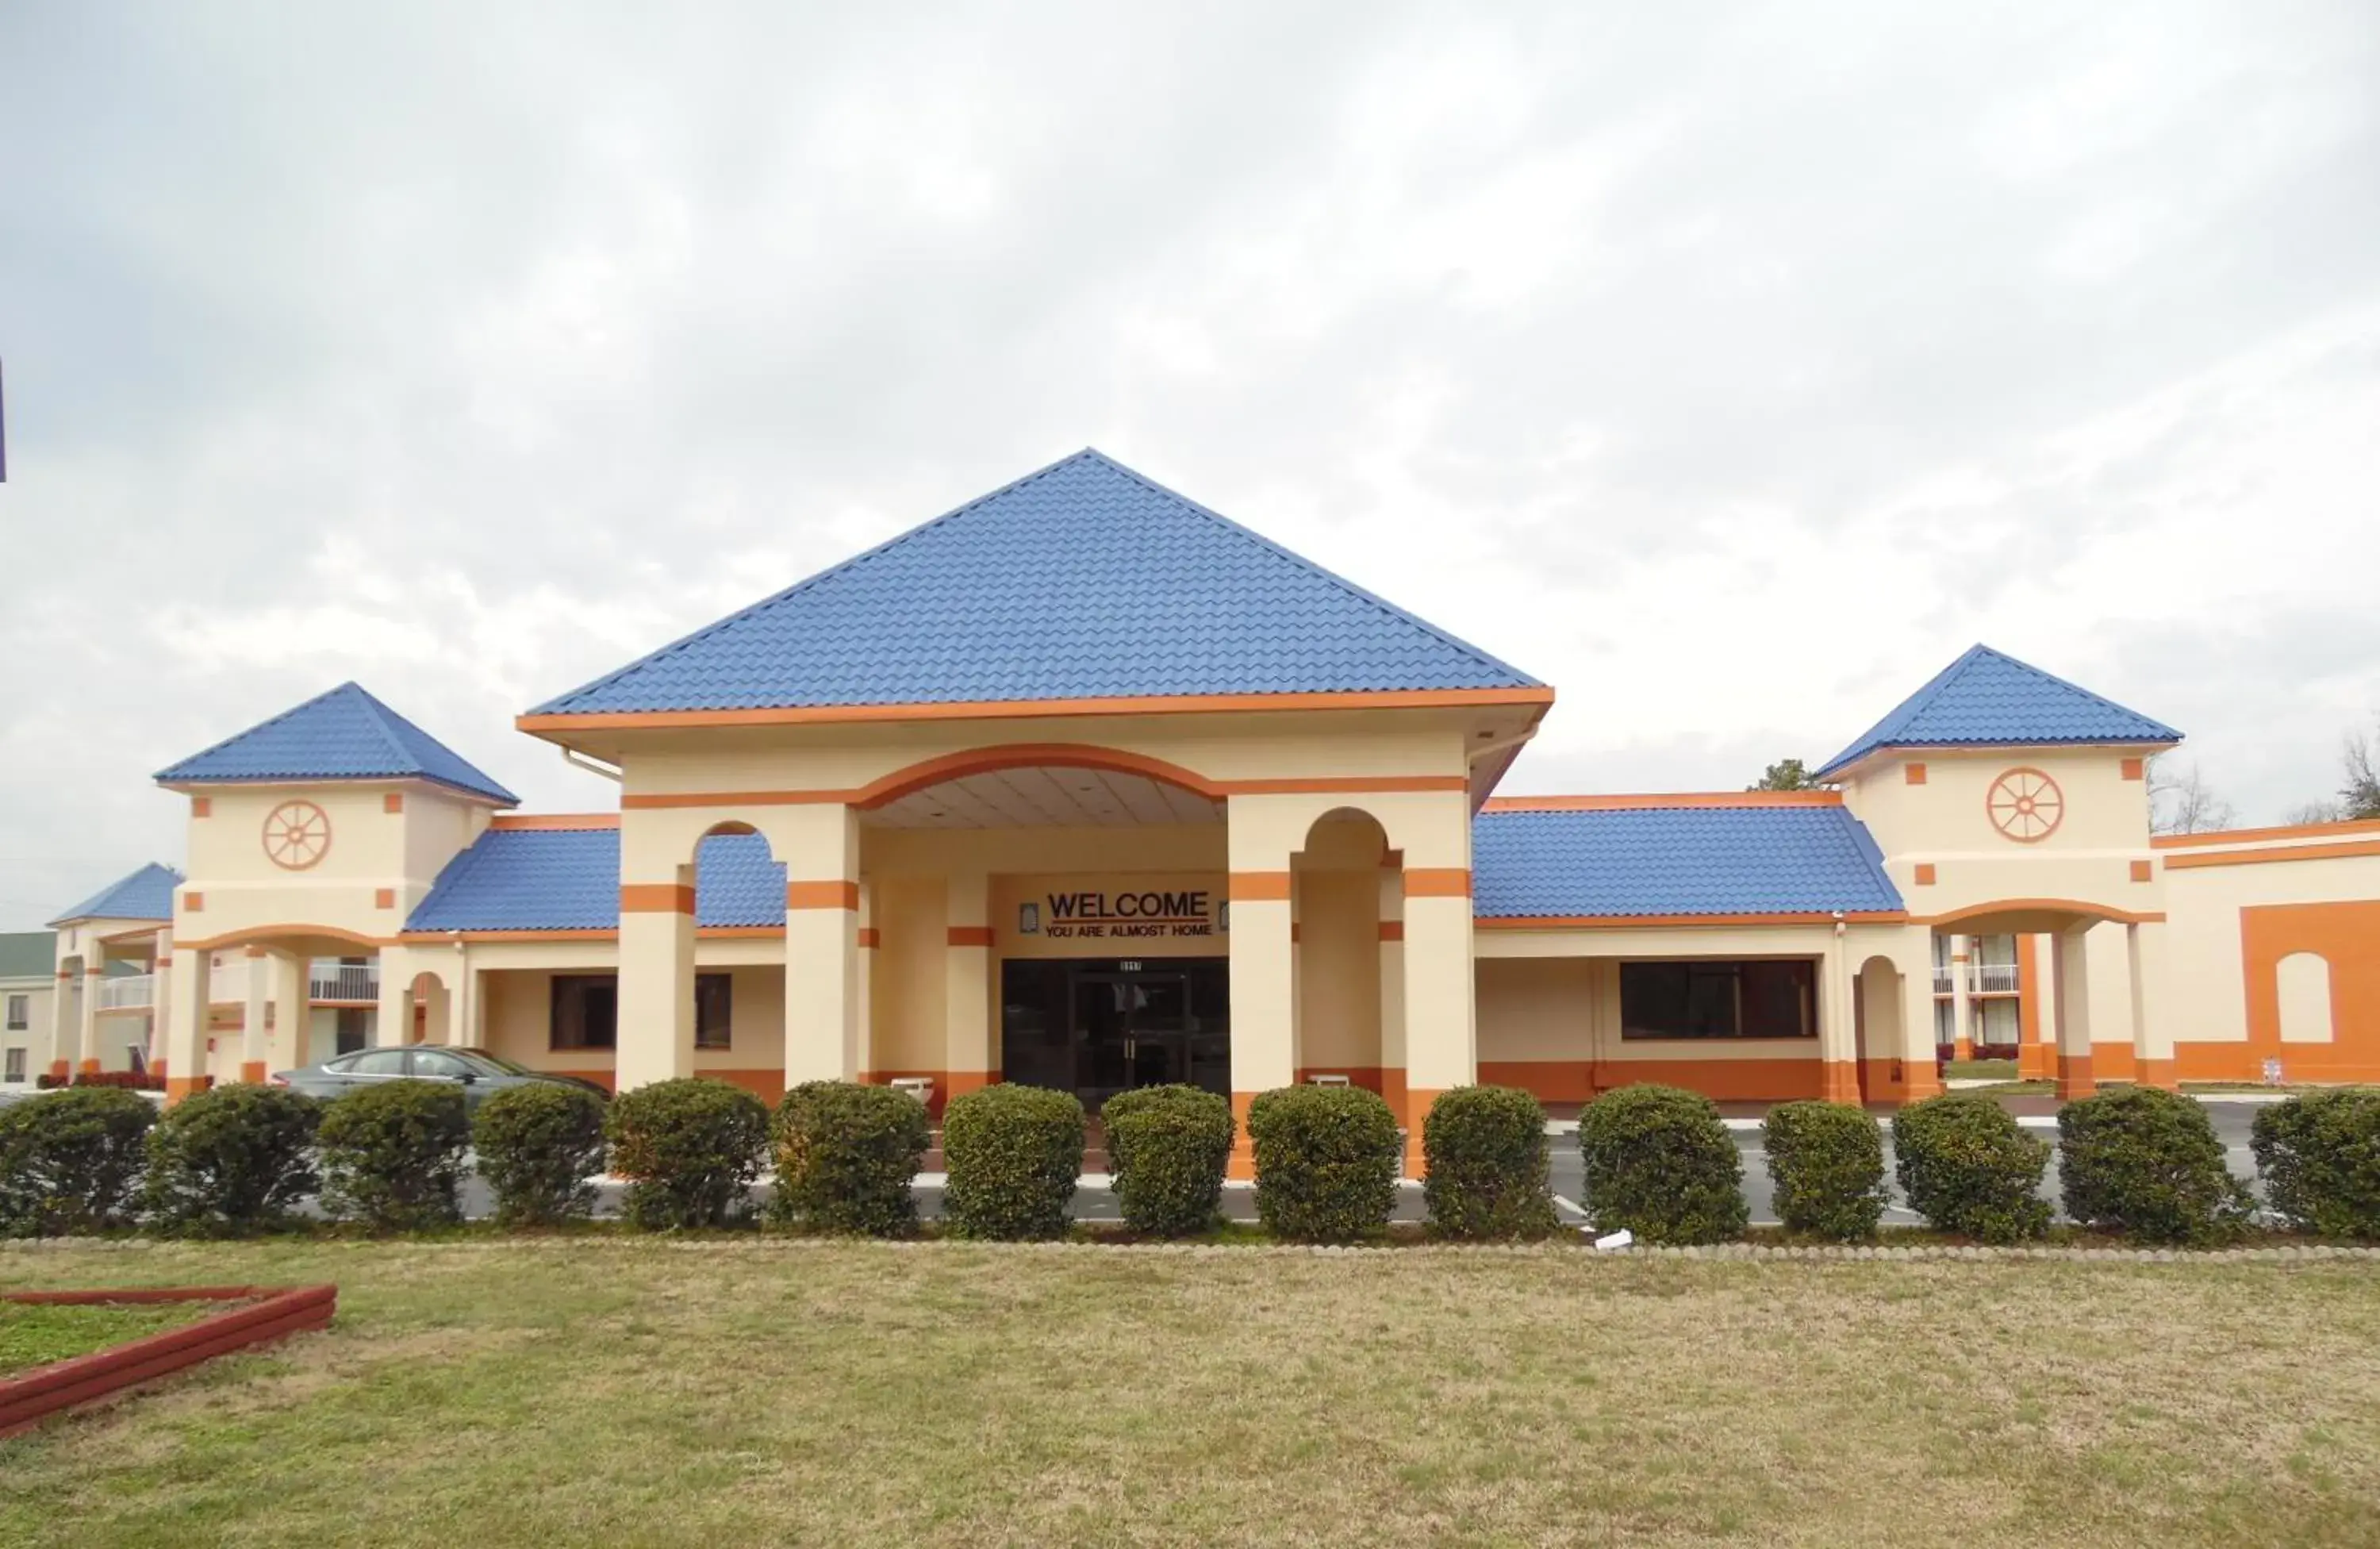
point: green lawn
(476, 1394)
(34, 1336)
(1979, 1069)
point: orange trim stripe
(822, 895)
(1647, 800)
(656, 898)
(1392, 930)
(2286, 830)
(914, 777)
(554, 820)
(1438, 881)
(268, 933)
(976, 710)
(2345, 849)
(1645, 921)
(1258, 887)
(968, 935)
(870, 937)
(2040, 906)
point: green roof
(28, 954)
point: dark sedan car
(478, 1071)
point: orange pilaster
(89, 1067)
(253, 1071)
(2157, 1073)
(2074, 1078)
(1243, 1165)
(1840, 1081)
(1418, 1101)
(60, 1069)
(179, 1087)
(1920, 1080)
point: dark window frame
(1705, 1000)
(714, 1010)
(21, 1011)
(576, 1032)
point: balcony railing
(130, 992)
(1990, 978)
(356, 981)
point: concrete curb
(1557, 1248)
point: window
(376, 1062)
(20, 1012)
(431, 1064)
(712, 999)
(1719, 1000)
(16, 1071)
(585, 1011)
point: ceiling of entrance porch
(1046, 798)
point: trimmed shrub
(1660, 1163)
(689, 1149)
(2146, 1162)
(1488, 1162)
(1968, 1168)
(1827, 1160)
(70, 1161)
(392, 1154)
(1167, 1149)
(1012, 1154)
(230, 1159)
(1327, 1161)
(539, 1147)
(846, 1155)
(2319, 1156)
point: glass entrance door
(1097, 1027)
(1132, 1029)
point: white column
(186, 1027)
(864, 986)
(292, 1010)
(474, 1020)
(966, 984)
(66, 1030)
(1962, 1011)
(2070, 960)
(93, 968)
(1838, 1034)
(160, 999)
(1392, 987)
(2151, 1033)
(1264, 1046)
(1919, 1077)
(255, 1041)
(393, 1026)
(820, 845)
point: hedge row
(1657, 1161)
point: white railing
(358, 981)
(1982, 979)
(129, 992)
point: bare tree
(2314, 811)
(2359, 764)
(2181, 801)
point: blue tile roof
(568, 879)
(1986, 699)
(1672, 861)
(1083, 580)
(343, 735)
(147, 893)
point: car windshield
(493, 1065)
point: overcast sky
(1729, 368)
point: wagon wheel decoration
(2025, 805)
(296, 834)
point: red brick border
(269, 1312)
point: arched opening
(1876, 1018)
(2304, 981)
(1345, 1005)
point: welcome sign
(1053, 916)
